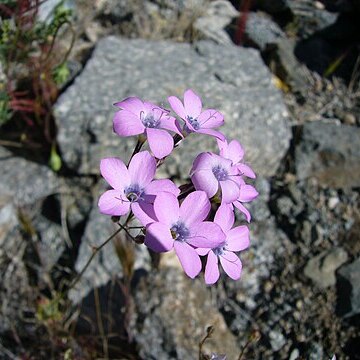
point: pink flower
(211, 171)
(198, 121)
(133, 187)
(235, 152)
(183, 228)
(137, 117)
(237, 239)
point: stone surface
(261, 31)
(172, 313)
(106, 265)
(219, 14)
(321, 269)
(348, 289)
(227, 78)
(330, 153)
(23, 181)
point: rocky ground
(294, 106)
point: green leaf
(55, 160)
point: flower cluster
(199, 221)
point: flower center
(220, 173)
(179, 231)
(194, 122)
(133, 193)
(149, 121)
(219, 250)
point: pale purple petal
(142, 168)
(115, 173)
(246, 170)
(231, 264)
(189, 259)
(160, 141)
(229, 191)
(212, 273)
(202, 251)
(170, 123)
(144, 212)
(235, 151)
(195, 208)
(158, 237)
(243, 209)
(247, 193)
(225, 217)
(166, 208)
(157, 111)
(206, 234)
(127, 124)
(212, 132)
(237, 239)
(205, 180)
(132, 104)
(113, 202)
(210, 118)
(192, 104)
(177, 106)
(157, 186)
(204, 161)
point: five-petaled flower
(133, 187)
(197, 121)
(183, 228)
(137, 117)
(211, 172)
(237, 239)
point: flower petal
(132, 104)
(212, 273)
(160, 141)
(192, 104)
(158, 186)
(158, 237)
(234, 152)
(115, 173)
(246, 170)
(111, 203)
(206, 235)
(127, 123)
(231, 264)
(202, 251)
(247, 193)
(177, 106)
(229, 191)
(189, 259)
(212, 132)
(166, 208)
(205, 180)
(243, 209)
(144, 212)
(225, 217)
(210, 119)
(142, 168)
(204, 161)
(195, 208)
(237, 239)
(170, 123)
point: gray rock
(259, 208)
(23, 181)
(219, 14)
(262, 31)
(330, 153)
(348, 289)
(321, 269)
(106, 265)
(171, 315)
(227, 78)
(277, 340)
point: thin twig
(100, 323)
